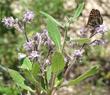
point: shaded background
(11, 40)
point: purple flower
(18, 25)
(36, 37)
(83, 32)
(77, 53)
(28, 45)
(9, 22)
(97, 42)
(44, 35)
(34, 54)
(28, 16)
(101, 29)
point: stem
(93, 35)
(68, 69)
(52, 84)
(83, 46)
(38, 85)
(25, 34)
(65, 35)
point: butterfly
(95, 19)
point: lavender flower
(48, 43)
(83, 32)
(34, 54)
(101, 29)
(9, 22)
(36, 37)
(28, 45)
(77, 53)
(28, 16)
(97, 42)
(44, 35)
(18, 25)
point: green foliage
(49, 73)
(57, 62)
(8, 90)
(31, 73)
(82, 40)
(26, 64)
(78, 11)
(51, 18)
(87, 74)
(35, 70)
(19, 80)
(54, 33)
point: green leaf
(54, 33)
(78, 11)
(23, 86)
(57, 62)
(49, 72)
(82, 40)
(16, 76)
(35, 69)
(19, 80)
(26, 64)
(51, 18)
(8, 90)
(87, 74)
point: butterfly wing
(95, 18)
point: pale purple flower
(97, 42)
(28, 16)
(18, 25)
(9, 22)
(48, 42)
(44, 35)
(37, 37)
(101, 29)
(83, 31)
(77, 53)
(28, 45)
(34, 54)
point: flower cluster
(90, 32)
(97, 42)
(36, 43)
(93, 30)
(28, 16)
(77, 53)
(101, 29)
(10, 22)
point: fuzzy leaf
(49, 72)
(78, 11)
(35, 69)
(87, 74)
(82, 40)
(19, 80)
(51, 18)
(26, 64)
(54, 33)
(57, 62)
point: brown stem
(68, 69)
(52, 84)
